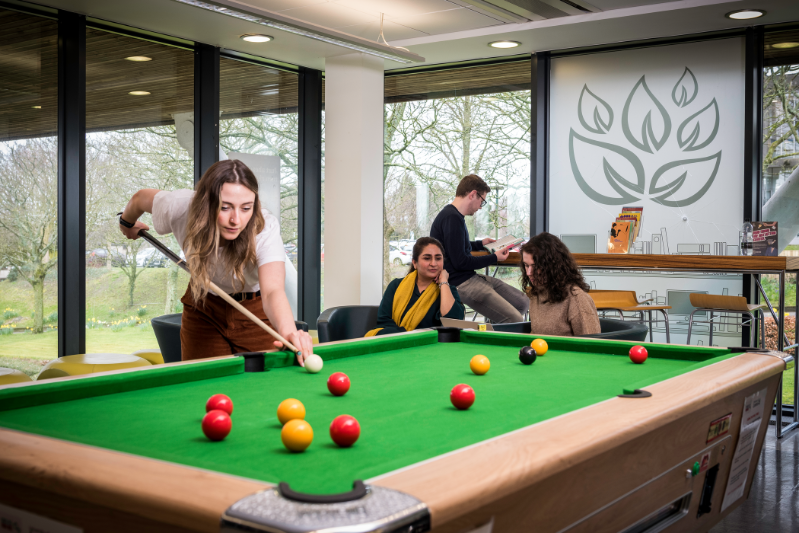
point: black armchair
(610, 329)
(346, 322)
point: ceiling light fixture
(139, 93)
(36, 106)
(256, 38)
(785, 46)
(504, 44)
(288, 25)
(745, 14)
(139, 59)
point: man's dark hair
(555, 269)
(470, 183)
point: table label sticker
(718, 428)
(19, 521)
(742, 459)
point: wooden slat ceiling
(781, 56)
(28, 75)
(486, 79)
(247, 89)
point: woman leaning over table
(230, 240)
(559, 301)
(422, 297)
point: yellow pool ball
(296, 435)
(479, 364)
(290, 409)
(540, 346)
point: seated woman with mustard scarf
(421, 298)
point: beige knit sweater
(576, 315)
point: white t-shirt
(171, 215)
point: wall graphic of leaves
(647, 133)
(614, 178)
(686, 89)
(689, 144)
(670, 189)
(600, 126)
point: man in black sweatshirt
(492, 298)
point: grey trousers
(494, 299)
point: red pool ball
(338, 384)
(638, 354)
(345, 430)
(216, 424)
(221, 402)
(462, 396)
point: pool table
(580, 440)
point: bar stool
(627, 302)
(717, 303)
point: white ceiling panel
(398, 8)
(331, 15)
(453, 20)
(391, 31)
(606, 5)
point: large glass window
(139, 113)
(780, 168)
(260, 126)
(28, 190)
(441, 126)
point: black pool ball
(527, 355)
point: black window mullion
(539, 143)
(71, 183)
(206, 108)
(310, 196)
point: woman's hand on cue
(133, 233)
(302, 341)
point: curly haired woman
(559, 303)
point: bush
(179, 307)
(118, 327)
(772, 329)
(6, 330)
(141, 311)
(9, 314)
(52, 318)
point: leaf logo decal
(612, 159)
(707, 116)
(640, 101)
(686, 89)
(691, 178)
(592, 105)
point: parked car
(151, 257)
(398, 257)
(96, 258)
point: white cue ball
(313, 364)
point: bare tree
(781, 114)
(28, 196)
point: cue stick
(222, 294)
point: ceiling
(438, 30)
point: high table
(582, 440)
(779, 266)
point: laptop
(465, 324)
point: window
(443, 125)
(139, 108)
(260, 126)
(28, 190)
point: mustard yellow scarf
(401, 299)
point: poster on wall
(659, 128)
(764, 238)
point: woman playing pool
(421, 298)
(230, 240)
(559, 303)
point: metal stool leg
(762, 329)
(710, 342)
(666, 320)
(650, 326)
(690, 325)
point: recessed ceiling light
(36, 106)
(504, 44)
(139, 93)
(490, 99)
(256, 38)
(784, 46)
(139, 58)
(745, 14)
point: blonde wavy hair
(202, 231)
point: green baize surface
(399, 395)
